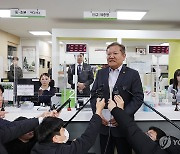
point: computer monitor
(25, 90)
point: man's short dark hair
(123, 49)
(160, 133)
(49, 127)
(15, 58)
(2, 88)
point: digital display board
(76, 48)
(158, 49)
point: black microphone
(63, 105)
(116, 91)
(164, 117)
(98, 93)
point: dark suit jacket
(4, 122)
(46, 96)
(80, 146)
(8, 133)
(18, 73)
(128, 78)
(86, 77)
(139, 141)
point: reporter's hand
(2, 114)
(111, 104)
(80, 86)
(113, 122)
(104, 121)
(100, 105)
(53, 113)
(119, 101)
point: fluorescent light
(164, 44)
(60, 42)
(40, 32)
(50, 42)
(5, 13)
(130, 15)
(108, 43)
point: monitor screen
(158, 49)
(76, 48)
(25, 90)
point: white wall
(43, 50)
(95, 56)
(1, 68)
(44, 53)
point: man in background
(15, 70)
(85, 76)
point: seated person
(45, 91)
(140, 142)
(18, 128)
(22, 144)
(51, 135)
(175, 87)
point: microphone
(98, 93)
(58, 109)
(115, 91)
(164, 117)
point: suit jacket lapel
(106, 78)
(121, 76)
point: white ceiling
(162, 15)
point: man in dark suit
(15, 70)
(85, 76)
(115, 79)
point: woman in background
(45, 91)
(175, 87)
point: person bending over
(18, 128)
(52, 136)
(155, 133)
(140, 142)
(22, 144)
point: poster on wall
(29, 59)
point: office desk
(85, 115)
(80, 122)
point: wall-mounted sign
(100, 15)
(158, 49)
(28, 13)
(141, 51)
(76, 48)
